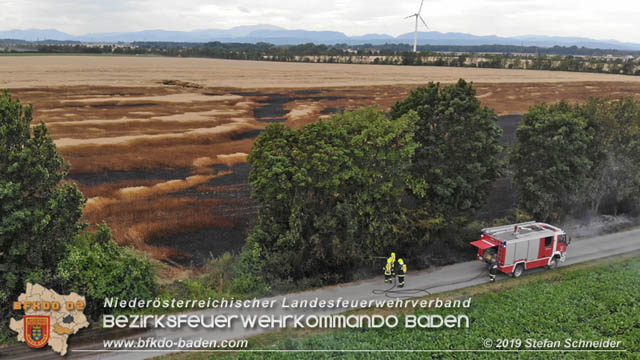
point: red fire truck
(523, 246)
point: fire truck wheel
(553, 264)
(517, 272)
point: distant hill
(35, 35)
(280, 36)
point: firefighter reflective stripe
(387, 269)
(402, 270)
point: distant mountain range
(280, 36)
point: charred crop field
(159, 146)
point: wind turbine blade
(422, 2)
(424, 22)
(410, 16)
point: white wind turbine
(415, 33)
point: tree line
(572, 159)
(322, 49)
(485, 56)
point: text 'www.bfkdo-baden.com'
(153, 343)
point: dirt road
(442, 279)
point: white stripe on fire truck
(488, 242)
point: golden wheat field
(159, 145)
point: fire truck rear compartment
(490, 254)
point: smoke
(595, 225)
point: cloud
(585, 18)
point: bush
(219, 272)
(98, 268)
(193, 289)
(248, 274)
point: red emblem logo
(36, 330)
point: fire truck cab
(523, 246)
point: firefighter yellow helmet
(389, 261)
(393, 255)
(400, 261)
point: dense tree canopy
(330, 193)
(552, 160)
(615, 177)
(458, 156)
(570, 159)
(38, 214)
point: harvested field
(159, 145)
(189, 73)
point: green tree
(330, 194)
(615, 176)
(554, 153)
(39, 215)
(97, 267)
(458, 156)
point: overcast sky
(618, 20)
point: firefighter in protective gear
(402, 271)
(388, 271)
(393, 264)
(493, 270)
